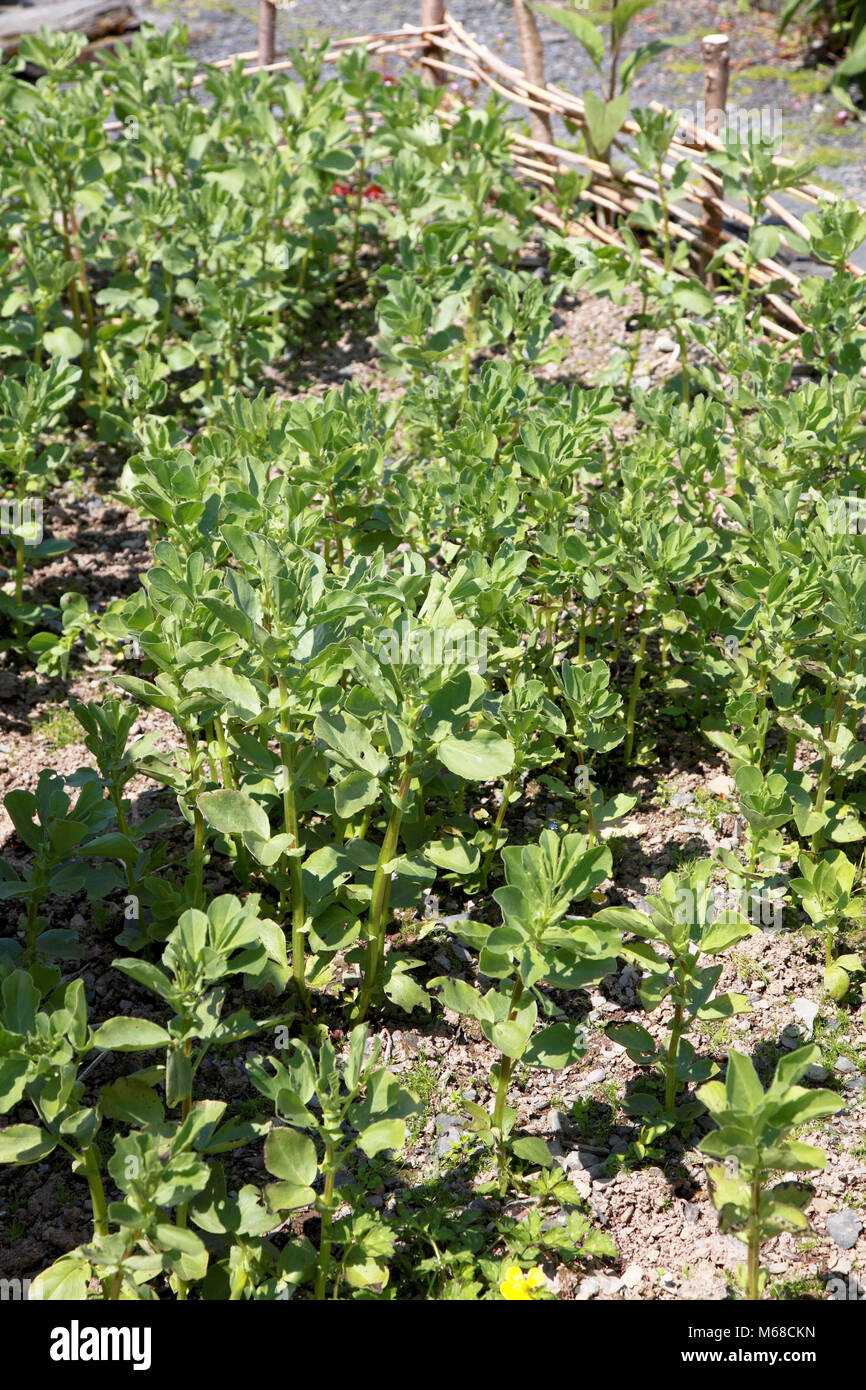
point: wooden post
(532, 60)
(715, 53)
(267, 26)
(432, 12)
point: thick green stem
(327, 1208)
(90, 1164)
(632, 699)
(497, 826)
(754, 1261)
(380, 897)
(290, 818)
(671, 1063)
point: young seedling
(751, 1142)
(826, 891)
(597, 727)
(681, 928)
(358, 1105)
(536, 943)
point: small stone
(664, 343)
(448, 1141)
(587, 1288)
(843, 1228)
(721, 785)
(680, 799)
(557, 1123)
(816, 1072)
(843, 1066)
(633, 1277)
(691, 1211)
(596, 1077)
(469, 1094)
(790, 1037)
(808, 1011)
(446, 1122)
(582, 1160)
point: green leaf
(509, 1037)
(24, 1144)
(356, 791)
(633, 1038)
(604, 118)
(534, 1150)
(382, 1134)
(128, 1035)
(837, 981)
(64, 1281)
(479, 757)
(577, 24)
(454, 854)
(236, 693)
(291, 1156)
(234, 813)
(464, 1000)
(63, 342)
(133, 1101)
(555, 1047)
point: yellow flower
(519, 1286)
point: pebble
(632, 1277)
(582, 1160)
(816, 1072)
(808, 1011)
(680, 799)
(843, 1228)
(843, 1066)
(790, 1037)
(446, 1122)
(596, 1077)
(557, 1122)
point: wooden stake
(267, 28)
(432, 14)
(715, 53)
(532, 58)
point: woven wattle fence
(443, 48)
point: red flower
(342, 190)
(375, 192)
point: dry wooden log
(97, 21)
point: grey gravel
(843, 1066)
